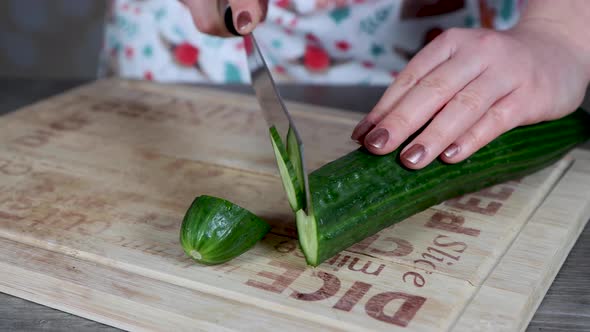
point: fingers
(497, 120)
(423, 101)
(247, 14)
(432, 55)
(208, 15)
(463, 111)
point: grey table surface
(566, 306)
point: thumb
(247, 14)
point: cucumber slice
(295, 158)
(294, 191)
(307, 232)
(215, 230)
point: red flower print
(248, 45)
(186, 54)
(280, 69)
(342, 45)
(148, 75)
(368, 64)
(129, 52)
(315, 58)
(283, 3)
(310, 37)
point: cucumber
(297, 162)
(360, 193)
(293, 188)
(215, 230)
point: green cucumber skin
(219, 230)
(361, 193)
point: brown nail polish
(451, 151)
(414, 154)
(361, 129)
(377, 138)
(244, 20)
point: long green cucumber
(360, 193)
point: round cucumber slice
(215, 230)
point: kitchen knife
(271, 103)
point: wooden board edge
(477, 305)
(68, 93)
(97, 305)
(239, 99)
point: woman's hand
(208, 15)
(471, 85)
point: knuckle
(489, 40)
(399, 121)
(471, 100)
(437, 136)
(474, 140)
(206, 25)
(498, 117)
(405, 79)
(437, 84)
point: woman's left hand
(472, 85)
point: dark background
(50, 38)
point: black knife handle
(229, 21)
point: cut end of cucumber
(196, 255)
(308, 236)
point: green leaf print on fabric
(148, 51)
(178, 31)
(212, 41)
(469, 21)
(125, 25)
(232, 73)
(160, 14)
(340, 14)
(377, 50)
(506, 10)
(277, 43)
(371, 23)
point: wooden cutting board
(94, 184)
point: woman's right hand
(208, 15)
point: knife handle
(229, 21)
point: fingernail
(451, 151)
(377, 138)
(361, 129)
(244, 20)
(414, 154)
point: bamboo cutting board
(94, 184)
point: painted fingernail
(414, 154)
(377, 138)
(361, 129)
(244, 20)
(451, 151)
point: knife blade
(273, 108)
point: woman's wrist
(561, 23)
